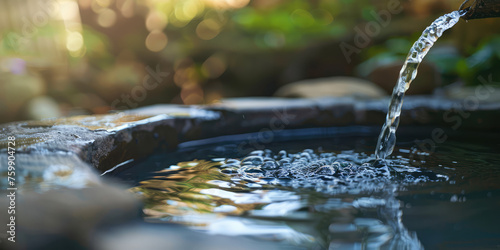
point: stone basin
(63, 201)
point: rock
(471, 95)
(322, 59)
(68, 218)
(43, 172)
(331, 86)
(42, 107)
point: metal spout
(481, 9)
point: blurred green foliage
(484, 61)
(225, 48)
(97, 47)
(452, 64)
(291, 24)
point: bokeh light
(104, 3)
(74, 41)
(106, 17)
(208, 29)
(185, 73)
(214, 66)
(126, 7)
(205, 49)
(228, 4)
(302, 18)
(156, 41)
(156, 20)
(191, 94)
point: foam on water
(267, 188)
(329, 172)
(371, 184)
(387, 137)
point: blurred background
(72, 57)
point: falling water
(387, 137)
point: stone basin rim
(105, 141)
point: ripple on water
(283, 196)
(344, 172)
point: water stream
(387, 137)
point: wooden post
(481, 9)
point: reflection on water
(197, 194)
(327, 198)
(208, 195)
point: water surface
(442, 199)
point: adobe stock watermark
(30, 24)
(456, 116)
(139, 93)
(266, 135)
(364, 35)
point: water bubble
(232, 161)
(253, 170)
(305, 155)
(454, 198)
(257, 153)
(284, 161)
(269, 165)
(253, 160)
(282, 154)
(267, 159)
(329, 172)
(325, 170)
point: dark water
(324, 190)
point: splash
(255, 194)
(387, 138)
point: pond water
(325, 190)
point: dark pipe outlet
(480, 9)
